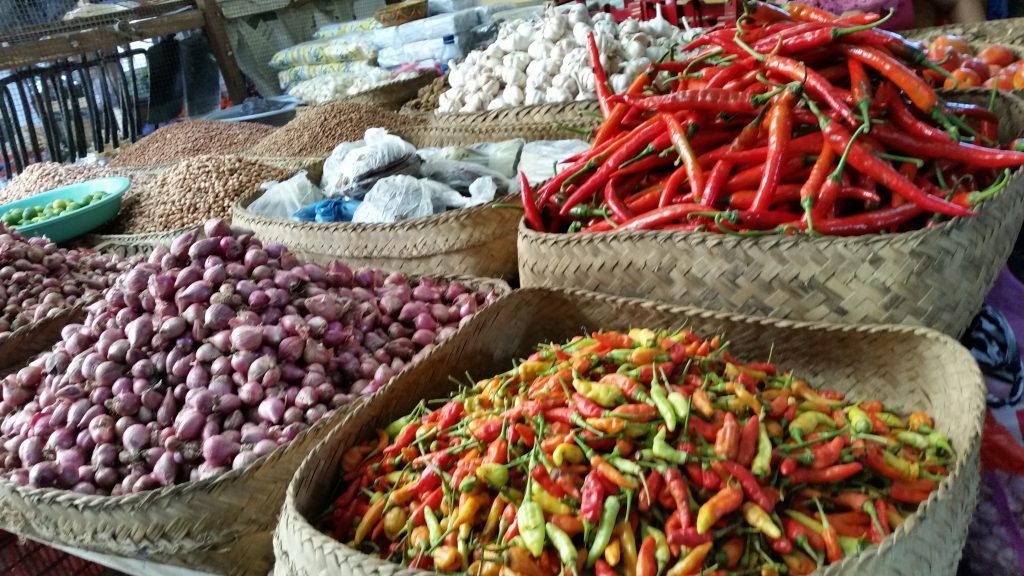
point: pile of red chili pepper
(790, 121)
(641, 454)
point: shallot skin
(208, 356)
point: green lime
(30, 213)
(11, 219)
(57, 204)
(73, 206)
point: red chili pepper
(828, 453)
(806, 144)
(882, 511)
(532, 213)
(432, 501)
(814, 83)
(689, 159)
(620, 212)
(727, 440)
(748, 482)
(646, 564)
(541, 476)
(713, 100)
(902, 493)
(829, 475)
(861, 158)
(788, 466)
(404, 438)
(903, 117)
(910, 82)
(601, 568)
(592, 498)
(450, 413)
(748, 441)
(688, 537)
(752, 176)
(860, 88)
(680, 495)
(948, 150)
(653, 485)
(586, 407)
(611, 125)
(563, 415)
(719, 174)
(781, 545)
(780, 130)
(660, 217)
(600, 78)
(488, 431)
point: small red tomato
(979, 67)
(1018, 79)
(953, 41)
(962, 78)
(997, 54)
(1000, 82)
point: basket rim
(447, 217)
(290, 512)
(54, 496)
(778, 240)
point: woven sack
(221, 525)
(935, 277)
(910, 368)
(543, 122)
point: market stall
(613, 296)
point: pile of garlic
(546, 61)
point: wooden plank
(221, 48)
(96, 39)
(34, 33)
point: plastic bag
(481, 191)
(398, 198)
(282, 199)
(995, 541)
(501, 157)
(321, 52)
(330, 210)
(292, 76)
(461, 175)
(351, 170)
(344, 28)
(539, 158)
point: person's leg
(967, 11)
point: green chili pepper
(806, 422)
(563, 544)
(939, 441)
(761, 465)
(531, 526)
(619, 355)
(852, 546)
(625, 466)
(467, 484)
(681, 405)
(663, 451)
(604, 530)
(395, 428)
(495, 475)
(433, 526)
(662, 404)
(913, 439)
(860, 422)
(891, 420)
(662, 553)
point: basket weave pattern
(222, 525)
(909, 368)
(935, 277)
(532, 123)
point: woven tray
(545, 122)
(935, 277)
(222, 525)
(911, 368)
(18, 346)
(127, 245)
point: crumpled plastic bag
(282, 199)
(330, 210)
(402, 197)
(461, 175)
(539, 158)
(353, 169)
(501, 157)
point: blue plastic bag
(330, 210)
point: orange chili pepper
(727, 441)
(612, 474)
(703, 404)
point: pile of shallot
(38, 279)
(208, 356)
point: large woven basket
(221, 525)
(935, 277)
(544, 122)
(991, 32)
(477, 241)
(393, 95)
(17, 346)
(911, 368)
(128, 245)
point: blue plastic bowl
(72, 224)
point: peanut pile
(189, 139)
(318, 130)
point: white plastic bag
(539, 158)
(461, 175)
(481, 191)
(351, 170)
(502, 157)
(282, 199)
(397, 198)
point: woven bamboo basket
(911, 368)
(128, 245)
(478, 241)
(994, 31)
(935, 277)
(221, 525)
(544, 122)
(17, 346)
